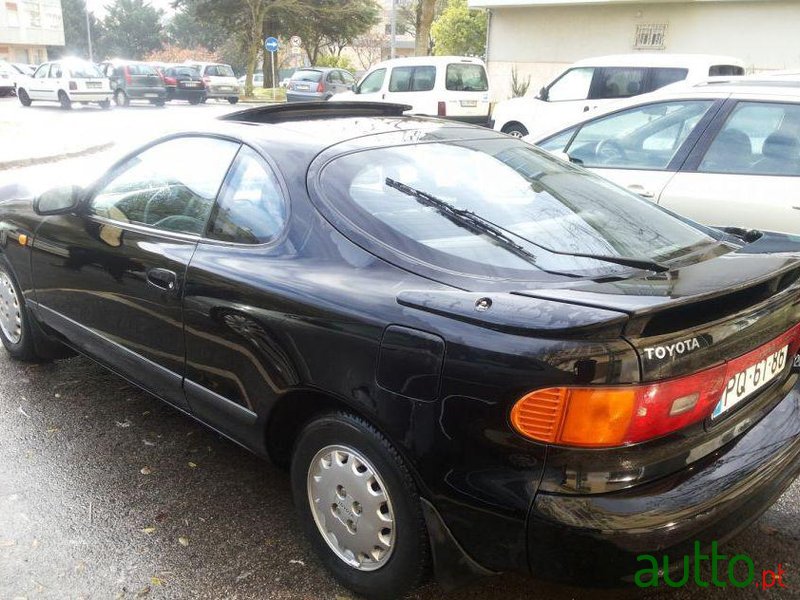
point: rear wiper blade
(464, 218)
(478, 224)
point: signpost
(271, 46)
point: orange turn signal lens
(576, 416)
(22, 239)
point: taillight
(73, 85)
(169, 80)
(320, 87)
(206, 80)
(127, 75)
(442, 109)
(596, 417)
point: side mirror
(567, 158)
(543, 94)
(58, 201)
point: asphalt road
(107, 493)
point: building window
(13, 14)
(650, 37)
(34, 14)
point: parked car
(27, 70)
(457, 344)
(315, 84)
(722, 152)
(135, 81)
(183, 83)
(219, 80)
(596, 83)
(258, 80)
(8, 79)
(66, 81)
(455, 87)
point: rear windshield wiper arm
(464, 218)
(478, 224)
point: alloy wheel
(10, 314)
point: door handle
(585, 109)
(163, 279)
(640, 190)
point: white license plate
(93, 85)
(750, 380)
(190, 84)
(151, 95)
(469, 103)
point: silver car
(318, 84)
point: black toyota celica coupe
(468, 353)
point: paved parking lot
(107, 493)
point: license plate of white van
(469, 103)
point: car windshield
(307, 76)
(540, 202)
(83, 70)
(219, 71)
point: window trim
(683, 153)
(698, 153)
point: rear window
(186, 71)
(412, 79)
(141, 70)
(307, 75)
(534, 199)
(83, 70)
(663, 76)
(466, 77)
(219, 71)
(725, 71)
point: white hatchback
(454, 87)
(722, 152)
(66, 81)
(594, 83)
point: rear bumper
(305, 96)
(184, 93)
(89, 96)
(137, 93)
(217, 92)
(596, 539)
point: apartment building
(27, 27)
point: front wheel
(64, 100)
(195, 101)
(15, 327)
(121, 98)
(105, 104)
(517, 130)
(359, 506)
(233, 99)
(24, 99)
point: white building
(541, 37)
(27, 27)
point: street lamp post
(393, 30)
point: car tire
(517, 130)
(105, 104)
(204, 99)
(121, 98)
(64, 100)
(158, 102)
(16, 331)
(24, 99)
(382, 499)
(233, 99)
(195, 101)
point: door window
(619, 82)
(373, 82)
(251, 207)
(348, 79)
(572, 85)
(171, 186)
(659, 77)
(645, 137)
(55, 71)
(334, 77)
(41, 72)
(412, 79)
(758, 138)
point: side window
(659, 77)
(41, 72)
(373, 82)
(348, 79)
(645, 137)
(725, 70)
(170, 186)
(572, 85)
(334, 77)
(558, 142)
(424, 78)
(412, 79)
(758, 138)
(55, 71)
(619, 82)
(251, 207)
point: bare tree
(368, 48)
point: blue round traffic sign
(271, 44)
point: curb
(38, 160)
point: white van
(455, 87)
(595, 83)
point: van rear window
(466, 77)
(725, 71)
